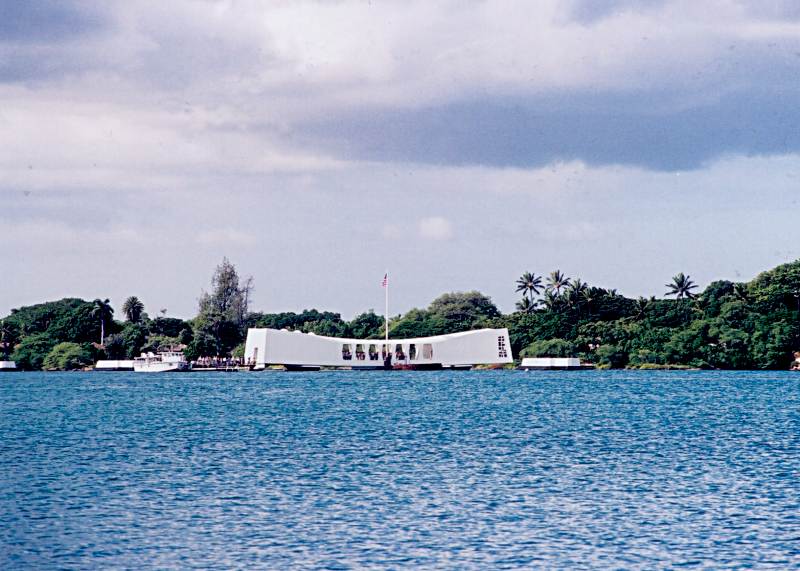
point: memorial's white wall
(281, 347)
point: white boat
(164, 362)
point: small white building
(295, 349)
(8, 366)
(552, 363)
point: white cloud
(391, 231)
(273, 62)
(180, 91)
(50, 143)
(57, 236)
(435, 228)
(186, 115)
(225, 236)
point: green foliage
(223, 312)
(715, 295)
(463, 310)
(730, 325)
(134, 336)
(778, 288)
(557, 281)
(290, 320)
(156, 343)
(9, 337)
(549, 348)
(68, 357)
(168, 326)
(104, 314)
(29, 354)
(611, 356)
(772, 343)
(366, 326)
(225, 333)
(34, 330)
(526, 305)
(448, 313)
(69, 319)
(530, 285)
(203, 345)
(228, 298)
(417, 323)
(186, 336)
(115, 346)
(681, 287)
(645, 359)
(133, 308)
(328, 328)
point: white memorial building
(294, 349)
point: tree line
(752, 325)
(729, 325)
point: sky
(456, 144)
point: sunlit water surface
(347, 470)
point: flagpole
(386, 310)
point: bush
(611, 356)
(135, 337)
(645, 357)
(549, 348)
(203, 345)
(659, 367)
(115, 346)
(167, 326)
(156, 343)
(30, 353)
(186, 336)
(67, 357)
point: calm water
(386, 470)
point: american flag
(385, 281)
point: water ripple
(348, 470)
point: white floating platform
(553, 364)
(112, 365)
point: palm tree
(640, 307)
(133, 308)
(101, 309)
(590, 295)
(556, 281)
(529, 284)
(526, 305)
(681, 287)
(576, 291)
(550, 300)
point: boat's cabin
(163, 356)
